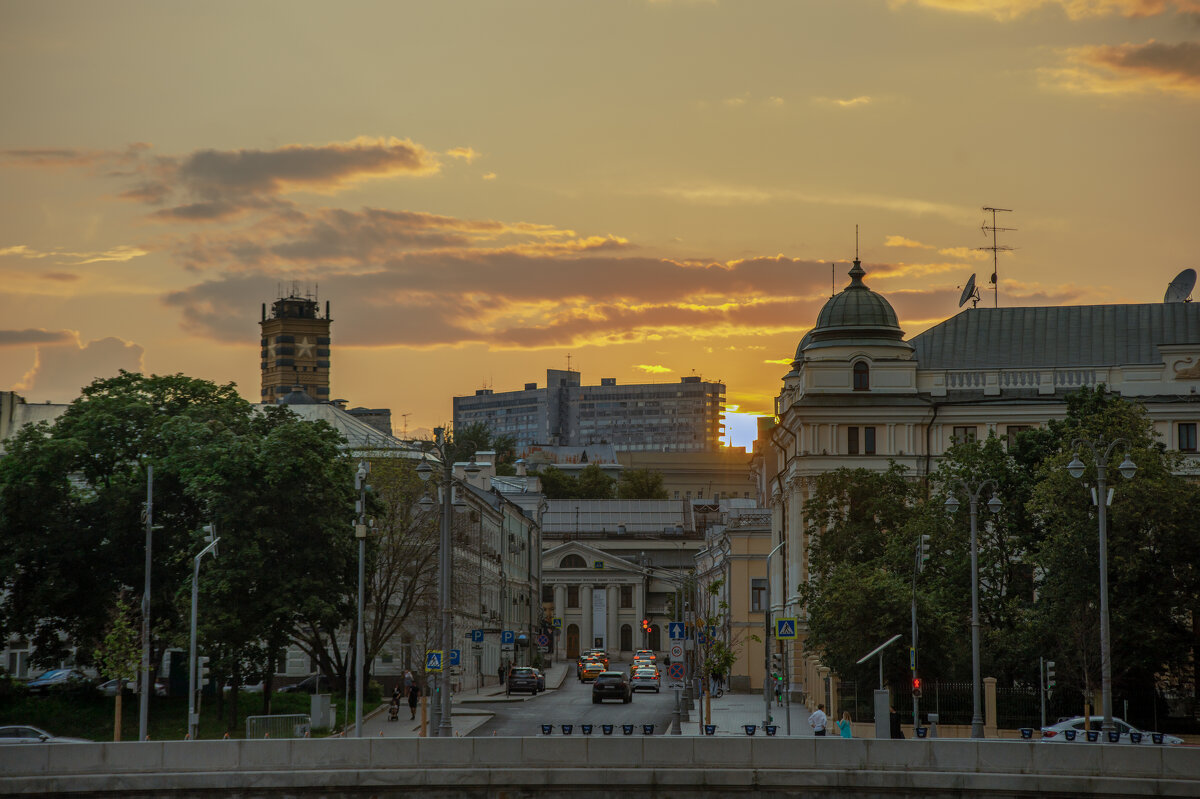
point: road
(572, 704)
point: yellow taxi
(590, 670)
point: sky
(655, 189)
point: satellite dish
(969, 293)
(1181, 287)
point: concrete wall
(557, 765)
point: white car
(646, 679)
(1058, 733)
(20, 734)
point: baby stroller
(394, 710)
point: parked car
(20, 734)
(522, 679)
(611, 685)
(1056, 733)
(48, 679)
(646, 679)
(131, 687)
(313, 684)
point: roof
(1057, 336)
(358, 434)
(636, 516)
(856, 315)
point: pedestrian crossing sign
(785, 628)
(433, 660)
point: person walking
(408, 680)
(500, 674)
(894, 720)
(414, 694)
(844, 725)
(818, 720)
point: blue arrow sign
(507, 637)
(455, 657)
(433, 660)
(675, 630)
(477, 636)
(785, 628)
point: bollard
(606, 729)
(710, 729)
(750, 728)
(627, 729)
(547, 729)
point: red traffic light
(916, 686)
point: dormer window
(862, 376)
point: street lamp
(1127, 468)
(360, 532)
(767, 642)
(193, 688)
(973, 490)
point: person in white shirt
(818, 720)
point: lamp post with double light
(360, 532)
(1101, 452)
(973, 491)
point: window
(964, 434)
(1013, 430)
(851, 440)
(572, 562)
(572, 596)
(869, 440)
(627, 596)
(862, 376)
(758, 594)
(1187, 437)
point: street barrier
(280, 726)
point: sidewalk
(465, 718)
(732, 711)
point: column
(613, 640)
(585, 620)
(560, 608)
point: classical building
(860, 394)
(673, 417)
(710, 476)
(295, 349)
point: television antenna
(995, 248)
(969, 292)
(405, 416)
(1180, 289)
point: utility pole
(144, 699)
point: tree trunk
(117, 714)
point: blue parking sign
(455, 657)
(477, 636)
(507, 637)
(433, 660)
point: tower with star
(295, 348)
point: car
(1056, 733)
(48, 679)
(646, 679)
(21, 734)
(591, 670)
(522, 679)
(611, 685)
(313, 684)
(598, 654)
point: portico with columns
(600, 599)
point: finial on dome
(856, 271)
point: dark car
(611, 685)
(48, 679)
(522, 679)
(315, 684)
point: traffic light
(922, 553)
(1050, 681)
(646, 625)
(916, 687)
(202, 671)
(777, 663)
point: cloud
(654, 369)
(120, 253)
(488, 176)
(779, 361)
(463, 153)
(847, 103)
(727, 194)
(21, 338)
(1006, 10)
(65, 157)
(965, 253)
(60, 371)
(900, 241)
(1128, 69)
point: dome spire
(856, 271)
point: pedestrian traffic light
(202, 671)
(922, 552)
(916, 687)
(777, 663)
(1050, 681)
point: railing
(1025, 378)
(280, 726)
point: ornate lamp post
(1127, 469)
(973, 490)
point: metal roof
(1057, 336)
(636, 516)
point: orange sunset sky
(657, 188)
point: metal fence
(281, 726)
(858, 700)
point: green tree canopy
(640, 484)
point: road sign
(675, 672)
(676, 651)
(507, 637)
(912, 659)
(507, 648)
(675, 630)
(543, 640)
(785, 628)
(433, 660)
(455, 657)
(477, 636)
(701, 638)
(557, 622)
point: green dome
(856, 315)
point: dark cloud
(22, 338)
(55, 156)
(1177, 62)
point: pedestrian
(818, 720)
(844, 726)
(414, 693)
(408, 680)
(398, 693)
(894, 720)
(500, 674)
(778, 689)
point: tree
(640, 484)
(593, 483)
(120, 654)
(557, 484)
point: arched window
(572, 562)
(862, 376)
